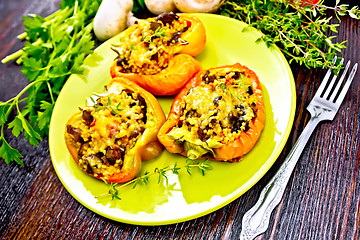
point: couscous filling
(149, 47)
(107, 130)
(215, 112)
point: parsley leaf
(44, 116)
(85, 45)
(9, 154)
(34, 27)
(31, 68)
(3, 113)
(33, 50)
(16, 126)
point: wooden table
(322, 200)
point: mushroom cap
(193, 6)
(160, 6)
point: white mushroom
(192, 6)
(131, 19)
(160, 6)
(111, 18)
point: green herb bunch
(55, 48)
(299, 30)
(160, 172)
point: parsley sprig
(55, 48)
(299, 30)
(114, 188)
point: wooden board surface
(322, 200)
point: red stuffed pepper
(219, 115)
(157, 53)
(110, 138)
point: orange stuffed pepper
(158, 53)
(110, 138)
(219, 115)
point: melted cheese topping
(217, 111)
(149, 47)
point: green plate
(182, 197)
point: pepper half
(117, 131)
(157, 53)
(219, 114)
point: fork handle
(256, 220)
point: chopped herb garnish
(159, 32)
(100, 106)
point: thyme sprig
(339, 9)
(299, 30)
(240, 83)
(114, 188)
(160, 32)
(224, 87)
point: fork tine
(325, 80)
(336, 90)
(343, 92)
(329, 88)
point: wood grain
(322, 200)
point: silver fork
(324, 105)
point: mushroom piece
(193, 6)
(160, 6)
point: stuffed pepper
(219, 115)
(157, 53)
(118, 129)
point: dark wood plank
(15, 180)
